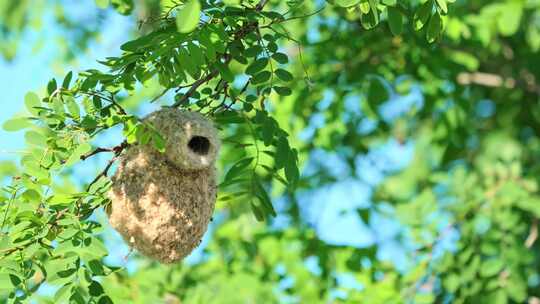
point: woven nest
(162, 202)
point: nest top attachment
(192, 141)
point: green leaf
(253, 51)
(283, 91)
(347, 3)
(282, 152)
(186, 61)
(451, 282)
(63, 293)
(491, 267)
(261, 193)
(196, 53)
(89, 124)
(95, 289)
(292, 172)
(31, 101)
(364, 7)
(143, 135)
(237, 169)
(58, 106)
(16, 124)
(280, 58)
(365, 214)
(51, 86)
(395, 20)
(205, 40)
(228, 117)
(370, 20)
(510, 18)
(159, 142)
(76, 296)
(377, 92)
(96, 267)
(187, 17)
(516, 288)
(73, 108)
(32, 167)
(94, 250)
(442, 5)
(103, 4)
(124, 7)
(374, 10)
(35, 138)
(225, 72)
(261, 77)
(257, 66)
(105, 300)
(268, 128)
(434, 28)
(66, 273)
(67, 222)
(467, 60)
(67, 80)
(15, 280)
(96, 102)
(257, 212)
(283, 75)
(533, 38)
(499, 297)
(422, 14)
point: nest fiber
(162, 202)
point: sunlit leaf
(187, 17)
(31, 101)
(16, 124)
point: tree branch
(116, 150)
(102, 174)
(195, 86)
(261, 5)
(496, 81)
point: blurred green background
(418, 155)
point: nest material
(162, 202)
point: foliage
(262, 71)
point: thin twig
(102, 174)
(110, 99)
(96, 151)
(261, 5)
(117, 105)
(275, 21)
(117, 150)
(194, 88)
(96, 94)
(178, 88)
(13, 195)
(243, 90)
(159, 96)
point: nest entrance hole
(199, 145)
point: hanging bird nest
(162, 202)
